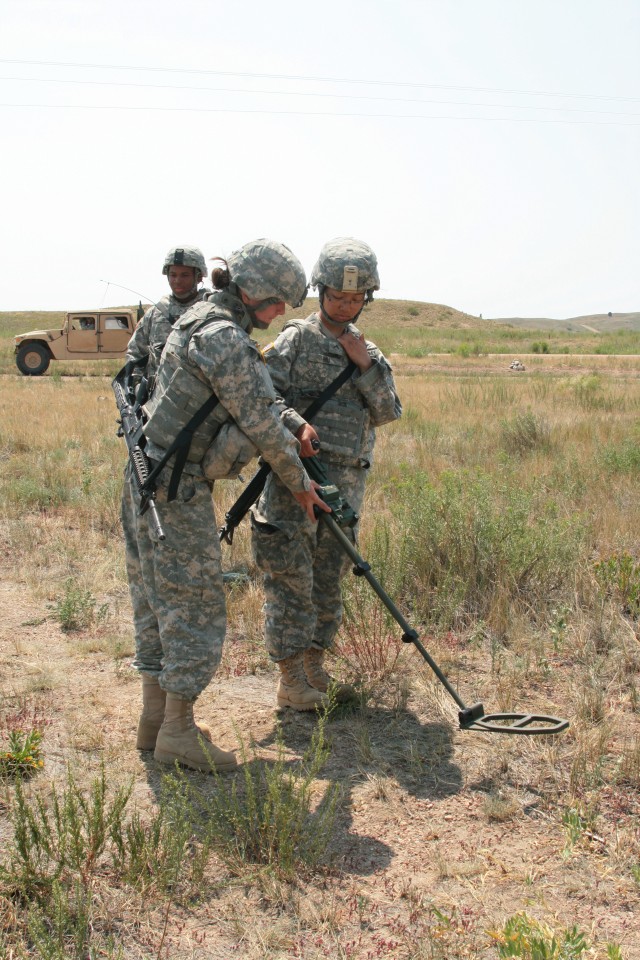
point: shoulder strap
(254, 488)
(182, 442)
(180, 447)
(329, 391)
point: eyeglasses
(347, 301)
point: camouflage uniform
(302, 562)
(151, 333)
(148, 340)
(180, 579)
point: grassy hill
(599, 322)
(411, 328)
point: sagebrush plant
(524, 433)
(76, 610)
(529, 939)
(370, 639)
(21, 734)
(618, 576)
(69, 846)
(269, 815)
(475, 542)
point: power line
(334, 96)
(313, 113)
(316, 79)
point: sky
(487, 150)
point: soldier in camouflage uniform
(302, 562)
(207, 352)
(184, 268)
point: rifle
(130, 427)
(470, 718)
(254, 488)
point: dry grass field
(502, 515)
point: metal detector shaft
(470, 718)
(362, 569)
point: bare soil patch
(468, 823)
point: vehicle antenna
(110, 283)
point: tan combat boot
(153, 705)
(153, 701)
(321, 680)
(178, 740)
(293, 689)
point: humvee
(84, 335)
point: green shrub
(540, 346)
(265, 816)
(618, 577)
(624, 458)
(530, 939)
(523, 433)
(477, 538)
(77, 609)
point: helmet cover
(265, 269)
(348, 265)
(185, 257)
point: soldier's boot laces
(293, 689)
(180, 739)
(318, 677)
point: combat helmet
(185, 257)
(346, 264)
(269, 272)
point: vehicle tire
(33, 359)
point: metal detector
(470, 718)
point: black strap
(255, 486)
(329, 391)
(182, 442)
(180, 447)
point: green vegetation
(529, 939)
(410, 328)
(501, 516)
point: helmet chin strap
(190, 295)
(234, 289)
(338, 323)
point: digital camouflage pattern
(216, 354)
(185, 257)
(346, 264)
(151, 333)
(176, 586)
(265, 269)
(302, 563)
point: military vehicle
(84, 335)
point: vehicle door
(114, 333)
(82, 333)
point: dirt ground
(431, 816)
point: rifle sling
(180, 447)
(256, 485)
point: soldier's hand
(355, 347)
(308, 499)
(306, 435)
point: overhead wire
(315, 113)
(318, 79)
(298, 93)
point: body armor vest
(343, 424)
(181, 388)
